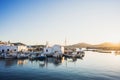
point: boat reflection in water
(54, 61)
(9, 63)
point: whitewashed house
(8, 47)
(13, 47)
(21, 47)
(48, 50)
(56, 48)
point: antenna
(65, 41)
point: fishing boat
(67, 55)
(1, 56)
(77, 54)
(9, 56)
(42, 56)
(32, 56)
(22, 56)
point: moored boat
(1, 56)
(22, 56)
(9, 56)
(42, 56)
(77, 54)
(33, 56)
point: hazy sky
(38, 21)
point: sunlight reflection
(21, 62)
(117, 57)
(62, 59)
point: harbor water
(93, 66)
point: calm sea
(93, 66)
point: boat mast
(65, 41)
(46, 43)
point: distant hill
(37, 46)
(79, 45)
(107, 44)
(85, 45)
(18, 43)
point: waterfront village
(19, 50)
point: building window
(7, 49)
(3, 50)
(46, 50)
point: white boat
(9, 56)
(22, 56)
(32, 56)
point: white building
(58, 48)
(15, 47)
(53, 49)
(20, 47)
(47, 50)
(6, 48)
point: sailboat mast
(65, 42)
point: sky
(38, 21)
